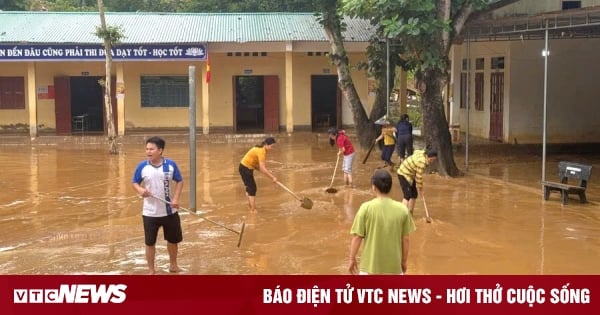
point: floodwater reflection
(71, 210)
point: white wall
(479, 120)
(531, 7)
(573, 93)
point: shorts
(409, 190)
(248, 179)
(171, 225)
(347, 163)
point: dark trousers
(404, 146)
(386, 153)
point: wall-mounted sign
(85, 73)
(45, 92)
(126, 52)
(326, 70)
(247, 71)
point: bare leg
(172, 249)
(150, 252)
(252, 204)
(411, 205)
(350, 180)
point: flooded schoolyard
(69, 208)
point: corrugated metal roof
(79, 27)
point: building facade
(510, 89)
(266, 72)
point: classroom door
(496, 106)
(62, 104)
(271, 105)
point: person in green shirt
(384, 225)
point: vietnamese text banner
(56, 52)
(299, 294)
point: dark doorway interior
(86, 104)
(249, 104)
(567, 5)
(324, 101)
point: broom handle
(335, 169)
(288, 190)
(199, 215)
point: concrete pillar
(32, 100)
(120, 93)
(205, 101)
(289, 91)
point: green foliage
(13, 5)
(114, 34)
(164, 5)
(413, 24)
(60, 5)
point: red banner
(299, 294)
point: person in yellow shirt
(389, 142)
(254, 159)
(410, 175)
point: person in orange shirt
(254, 159)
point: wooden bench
(578, 173)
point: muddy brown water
(70, 209)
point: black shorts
(248, 179)
(409, 191)
(171, 225)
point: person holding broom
(338, 137)
(410, 175)
(389, 142)
(255, 159)
(159, 177)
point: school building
(269, 72)
(529, 71)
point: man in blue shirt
(152, 178)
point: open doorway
(79, 105)
(325, 102)
(256, 104)
(86, 104)
(249, 103)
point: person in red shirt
(346, 148)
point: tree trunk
(110, 124)
(364, 127)
(435, 126)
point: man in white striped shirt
(152, 178)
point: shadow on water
(72, 210)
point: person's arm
(380, 136)
(264, 170)
(141, 190)
(420, 166)
(340, 145)
(354, 246)
(405, 244)
(177, 194)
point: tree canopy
(162, 5)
